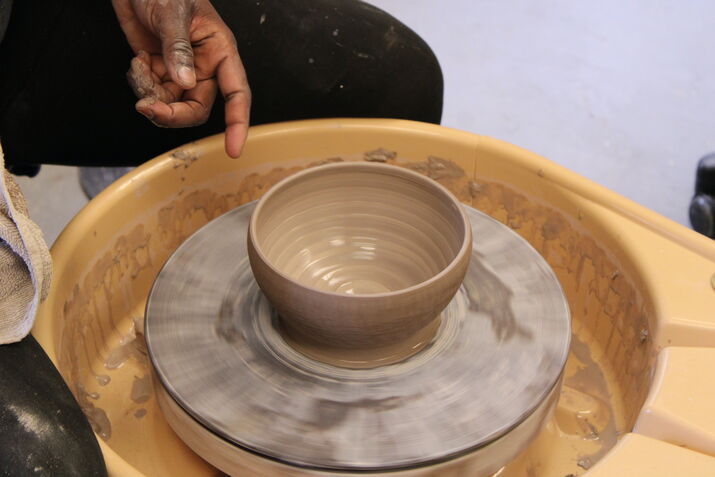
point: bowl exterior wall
(357, 321)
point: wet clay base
(214, 340)
(357, 358)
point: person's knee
(328, 58)
(42, 428)
(394, 73)
(401, 68)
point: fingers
(192, 111)
(234, 87)
(175, 89)
(146, 82)
(138, 36)
(176, 47)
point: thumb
(176, 47)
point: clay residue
(94, 309)
(379, 155)
(584, 463)
(474, 189)
(187, 213)
(487, 294)
(183, 158)
(96, 416)
(141, 389)
(32, 422)
(608, 311)
(593, 412)
(604, 302)
(98, 420)
(329, 413)
(130, 347)
(582, 429)
(437, 168)
(91, 395)
(330, 160)
(445, 171)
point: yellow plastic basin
(640, 287)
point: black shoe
(702, 206)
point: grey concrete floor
(621, 92)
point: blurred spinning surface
(495, 361)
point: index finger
(234, 87)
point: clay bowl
(359, 256)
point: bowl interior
(359, 229)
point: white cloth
(25, 263)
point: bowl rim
(465, 247)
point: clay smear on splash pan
(608, 311)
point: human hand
(184, 52)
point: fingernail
(186, 76)
(147, 114)
(143, 108)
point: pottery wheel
(500, 350)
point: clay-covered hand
(184, 52)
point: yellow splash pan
(641, 290)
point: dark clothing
(5, 7)
(64, 98)
(43, 432)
